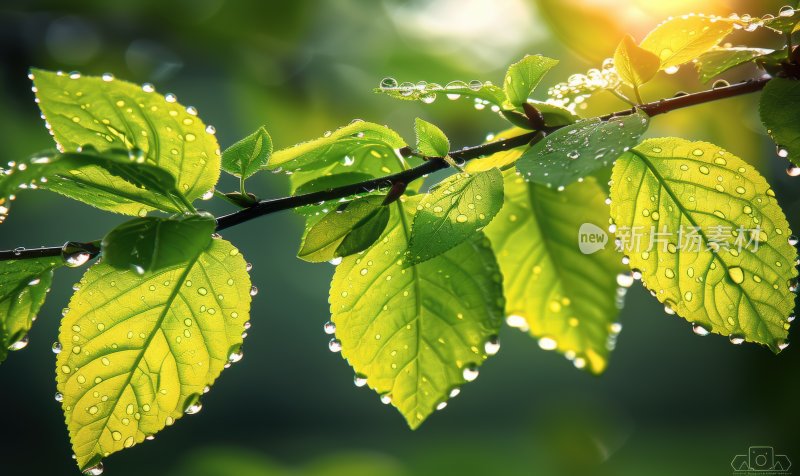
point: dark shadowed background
(670, 402)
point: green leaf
(682, 39)
(86, 110)
(49, 169)
(416, 334)
(718, 60)
(431, 141)
(247, 156)
(483, 92)
(783, 24)
(565, 298)
(139, 351)
(23, 287)
(453, 211)
(578, 150)
(780, 114)
(721, 259)
(554, 115)
(340, 145)
(523, 77)
(150, 244)
(634, 64)
(349, 229)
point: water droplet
(736, 274)
(235, 356)
(470, 372)
(700, 330)
(793, 240)
(108, 77)
(74, 254)
(95, 470)
(574, 154)
(57, 347)
(253, 291)
(636, 274)
(548, 343)
(211, 129)
(441, 405)
(671, 70)
(782, 344)
(625, 279)
(786, 11)
(194, 407)
(335, 345)
(20, 344)
(736, 339)
(782, 152)
(329, 327)
(59, 397)
(359, 380)
(335, 261)
(492, 345)
(386, 398)
(388, 83)
(461, 218)
(475, 85)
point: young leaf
(523, 76)
(706, 234)
(247, 156)
(340, 145)
(483, 92)
(23, 287)
(431, 141)
(554, 115)
(139, 351)
(565, 298)
(682, 39)
(718, 60)
(86, 110)
(453, 211)
(634, 64)
(150, 244)
(780, 114)
(347, 230)
(576, 151)
(416, 334)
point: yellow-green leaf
(23, 287)
(139, 351)
(524, 75)
(110, 113)
(416, 334)
(634, 64)
(431, 141)
(682, 39)
(718, 60)
(705, 232)
(502, 159)
(563, 297)
(247, 156)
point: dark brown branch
(266, 207)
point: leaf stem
(266, 207)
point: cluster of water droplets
(428, 92)
(748, 22)
(572, 93)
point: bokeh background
(670, 402)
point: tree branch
(433, 164)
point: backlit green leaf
(576, 151)
(499, 159)
(634, 64)
(780, 114)
(682, 39)
(49, 169)
(783, 23)
(149, 244)
(87, 110)
(23, 287)
(454, 210)
(247, 156)
(416, 334)
(554, 115)
(340, 145)
(349, 229)
(718, 60)
(708, 237)
(139, 351)
(563, 297)
(431, 141)
(523, 77)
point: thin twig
(266, 207)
